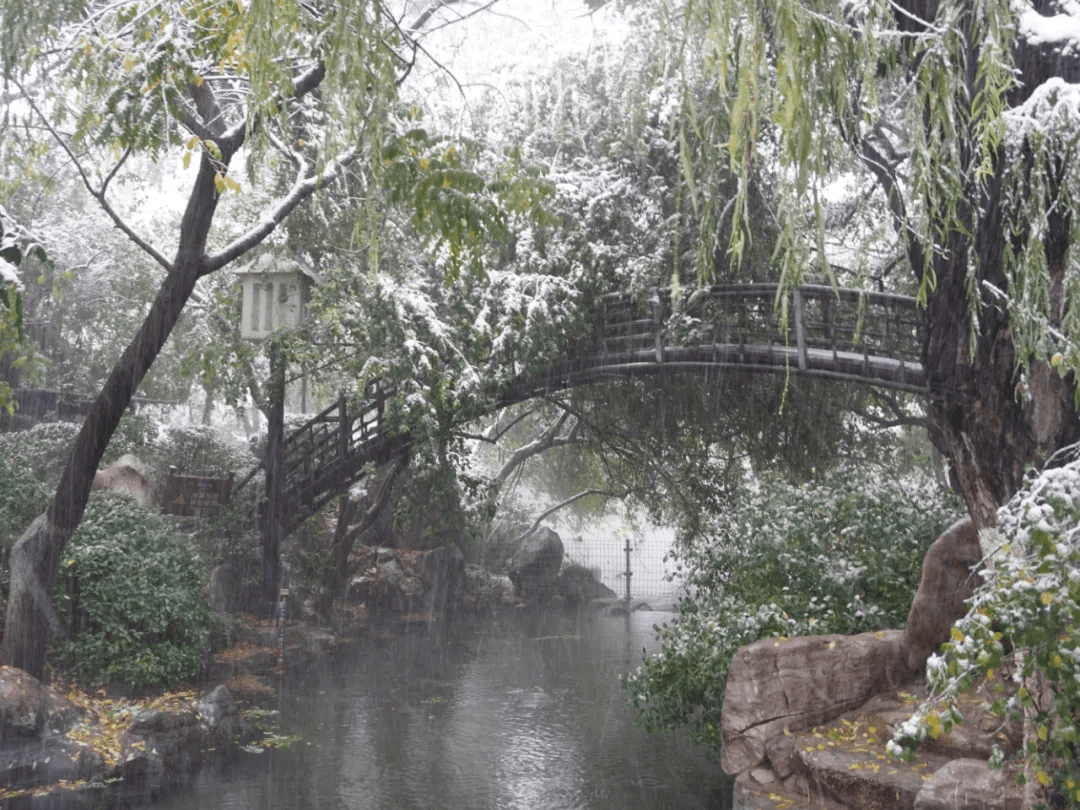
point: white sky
(506, 43)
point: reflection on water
(514, 712)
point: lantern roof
(272, 262)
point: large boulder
(31, 710)
(535, 567)
(163, 749)
(778, 685)
(127, 474)
(947, 582)
(579, 585)
(442, 572)
(486, 591)
(970, 784)
(394, 588)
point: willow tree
(270, 86)
(960, 117)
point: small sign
(196, 496)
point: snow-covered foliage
(840, 556)
(1030, 601)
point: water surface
(519, 711)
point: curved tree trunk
(36, 556)
(986, 420)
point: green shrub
(841, 556)
(22, 497)
(42, 450)
(200, 450)
(134, 594)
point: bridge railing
(827, 327)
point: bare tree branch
(562, 504)
(382, 497)
(545, 441)
(97, 193)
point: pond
(517, 711)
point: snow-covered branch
(303, 188)
(99, 192)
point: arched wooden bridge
(838, 334)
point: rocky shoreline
(79, 752)
(806, 720)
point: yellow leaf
(1055, 361)
(129, 63)
(957, 636)
(231, 184)
(1046, 598)
(1043, 778)
(1043, 732)
(219, 183)
(187, 159)
(935, 725)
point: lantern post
(275, 293)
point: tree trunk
(36, 556)
(986, 420)
(346, 534)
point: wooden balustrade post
(658, 325)
(343, 427)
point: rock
(486, 591)
(535, 567)
(794, 684)
(127, 474)
(783, 756)
(29, 709)
(33, 763)
(257, 653)
(579, 586)
(225, 583)
(947, 582)
(358, 590)
(216, 706)
(348, 621)
(394, 589)
(850, 772)
(442, 571)
(969, 784)
(162, 750)
(763, 776)
(975, 738)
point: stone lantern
(276, 290)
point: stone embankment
(56, 754)
(806, 720)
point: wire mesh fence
(642, 554)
